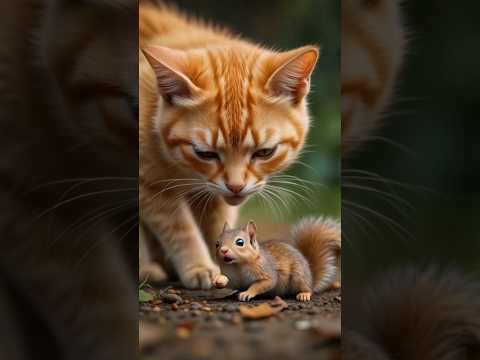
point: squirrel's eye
(264, 154)
(205, 155)
(239, 242)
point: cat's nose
(223, 250)
(235, 188)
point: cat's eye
(217, 245)
(240, 242)
(206, 155)
(265, 153)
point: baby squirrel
(310, 265)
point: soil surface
(186, 324)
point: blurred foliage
(286, 24)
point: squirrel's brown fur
(278, 268)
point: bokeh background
(424, 165)
(286, 24)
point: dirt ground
(185, 324)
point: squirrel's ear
(251, 229)
(226, 226)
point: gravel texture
(187, 324)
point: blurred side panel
(410, 175)
(68, 179)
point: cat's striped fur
(219, 116)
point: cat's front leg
(174, 226)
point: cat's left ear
(292, 72)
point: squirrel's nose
(223, 250)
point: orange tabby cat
(219, 116)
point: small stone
(174, 307)
(195, 306)
(186, 301)
(338, 298)
(206, 308)
(171, 291)
(156, 309)
(172, 298)
(204, 302)
(303, 325)
(312, 311)
(230, 308)
(196, 313)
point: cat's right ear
(170, 67)
(292, 72)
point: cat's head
(373, 43)
(231, 116)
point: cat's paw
(200, 277)
(304, 296)
(152, 272)
(220, 281)
(246, 296)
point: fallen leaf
(144, 296)
(259, 312)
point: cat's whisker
(388, 197)
(275, 199)
(93, 216)
(395, 145)
(104, 238)
(293, 193)
(359, 219)
(371, 176)
(381, 216)
(272, 202)
(78, 197)
(286, 182)
(80, 180)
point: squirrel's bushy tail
(416, 315)
(319, 240)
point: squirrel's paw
(220, 281)
(245, 296)
(304, 296)
(200, 277)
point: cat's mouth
(235, 199)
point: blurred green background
(286, 24)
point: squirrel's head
(237, 245)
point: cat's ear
(292, 72)
(226, 227)
(251, 230)
(170, 67)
